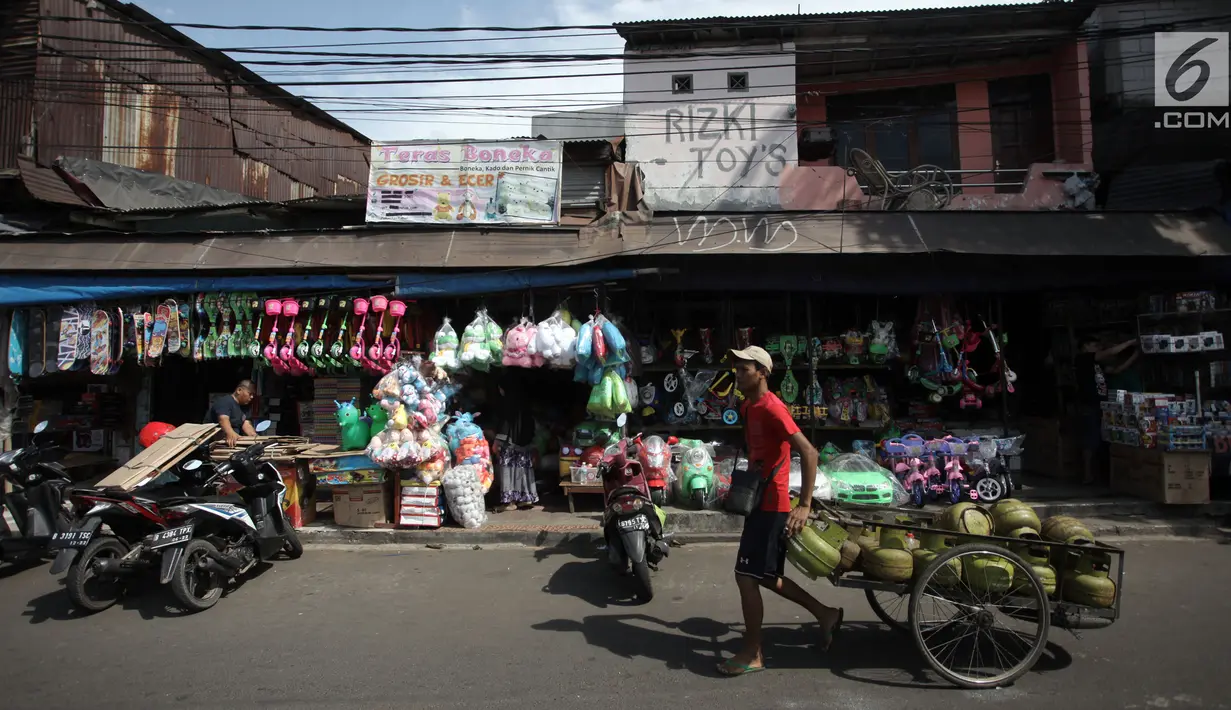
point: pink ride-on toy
(358, 355)
(273, 307)
(290, 307)
(393, 350)
(376, 352)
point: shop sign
(514, 182)
(727, 155)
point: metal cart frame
(975, 612)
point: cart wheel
(976, 633)
(891, 608)
(991, 489)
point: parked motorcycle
(632, 524)
(222, 537)
(101, 564)
(36, 501)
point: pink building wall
(1070, 81)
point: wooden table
(572, 488)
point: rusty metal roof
(930, 21)
(46, 184)
(221, 60)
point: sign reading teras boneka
(515, 182)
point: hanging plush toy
(444, 348)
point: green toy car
(861, 487)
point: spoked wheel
(990, 489)
(891, 608)
(983, 628)
(195, 584)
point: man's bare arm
(1114, 350)
(808, 459)
(248, 428)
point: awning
(1109, 234)
(344, 250)
(38, 289)
(425, 285)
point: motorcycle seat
(230, 499)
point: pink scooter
(290, 307)
(273, 307)
(393, 349)
(358, 354)
(376, 352)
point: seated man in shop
(230, 412)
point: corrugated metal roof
(1180, 186)
(935, 22)
(46, 184)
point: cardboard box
(360, 506)
(1168, 477)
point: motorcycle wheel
(86, 590)
(916, 495)
(658, 496)
(196, 587)
(293, 547)
(698, 498)
(645, 586)
(955, 491)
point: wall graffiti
(726, 155)
(700, 233)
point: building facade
(107, 81)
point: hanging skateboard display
(17, 344)
(35, 357)
(100, 343)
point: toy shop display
(420, 506)
(464, 491)
(415, 404)
(470, 448)
(696, 484)
(942, 354)
(949, 469)
(855, 478)
(481, 343)
(1163, 421)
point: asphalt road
(381, 628)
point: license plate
(167, 538)
(74, 539)
(638, 523)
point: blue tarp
(49, 289)
(426, 285)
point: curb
(541, 538)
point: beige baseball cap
(755, 354)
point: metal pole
(1004, 380)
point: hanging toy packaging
(481, 346)
(444, 348)
(520, 346)
(470, 448)
(557, 342)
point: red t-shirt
(768, 428)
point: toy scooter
(655, 458)
(696, 473)
(632, 524)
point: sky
(500, 103)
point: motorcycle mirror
(262, 427)
(40, 427)
(192, 465)
(621, 420)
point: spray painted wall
(723, 155)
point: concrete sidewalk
(1106, 515)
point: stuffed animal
(355, 434)
(517, 350)
(444, 349)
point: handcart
(977, 633)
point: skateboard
(36, 362)
(158, 334)
(174, 342)
(198, 344)
(70, 325)
(17, 342)
(84, 338)
(224, 319)
(100, 343)
(117, 336)
(211, 315)
(185, 320)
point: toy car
(861, 487)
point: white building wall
(770, 68)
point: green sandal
(731, 670)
